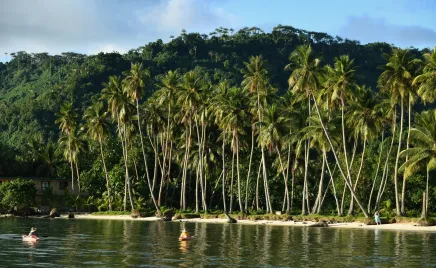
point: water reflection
(135, 243)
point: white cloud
(85, 26)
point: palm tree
(427, 80)
(67, 122)
(257, 83)
(305, 77)
(366, 122)
(97, 125)
(188, 99)
(423, 153)
(341, 83)
(396, 79)
(134, 85)
(235, 108)
(271, 136)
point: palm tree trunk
(344, 141)
(337, 160)
(385, 169)
(241, 208)
(72, 171)
(224, 173)
(108, 188)
(197, 175)
(265, 183)
(397, 203)
(257, 186)
(376, 173)
(403, 190)
(303, 203)
(231, 182)
(249, 169)
(351, 209)
(333, 185)
(317, 204)
(145, 159)
(284, 178)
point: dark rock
(70, 215)
(319, 224)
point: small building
(59, 186)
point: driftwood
(230, 219)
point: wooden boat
(184, 238)
(32, 238)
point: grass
(111, 213)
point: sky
(92, 26)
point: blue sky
(91, 26)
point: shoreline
(346, 225)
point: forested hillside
(262, 120)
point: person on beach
(377, 218)
(33, 232)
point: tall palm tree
(188, 99)
(366, 122)
(341, 84)
(422, 156)
(397, 79)
(97, 125)
(305, 77)
(235, 109)
(256, 81)
(67, 118)
(134, 85)
(271, 137)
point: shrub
(18, 193)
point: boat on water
(30, 238)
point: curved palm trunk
(265, 177)
(257, 186)
(72, 171)
(376, 173)
(351, 209)
(333, 185)
(306, 160)
(385, 169)
(108, 188)
(317, 205)
(249, 169)
(224, 174)
(344, 141)
(145, 159)
(403, 190)
(231, 183)
(238, 174)
(337, 161)
(285, 180)
(397, 203)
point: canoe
(32, 238)
(184, 238)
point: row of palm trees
(271, 145)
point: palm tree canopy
(66, 118)
(96, 121)
(427, 80)
(423, 138)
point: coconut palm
(271, 136)
(256, 81)
(67, 118)
(422, 156)
(341, 84)
(396, 79)
(427, 80)
(305, 78)
(98, 125)
(134, 85)
(188, 99)
(366, 122)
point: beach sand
(352, 225)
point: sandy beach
(354, 225)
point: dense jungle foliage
(291, 120)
